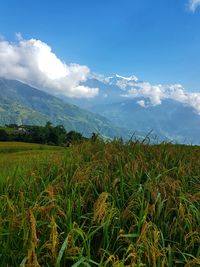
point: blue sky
(157, 40)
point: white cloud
(152, 95)
(193, 4)
(141, 103)
(153, 92)
(33, 62)
(156, 93)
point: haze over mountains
(171, 112)
(70, 94)
(23, 104)
(112, 113)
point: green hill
(23, 104)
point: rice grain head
(101, 207)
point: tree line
(48, 134)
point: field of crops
(97, 204)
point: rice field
(99, 204)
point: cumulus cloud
(193, 4)
(151, 95)
(33, 62)
(154, 94)
(141, 103)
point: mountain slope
(171, 120)
(23, 104)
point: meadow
(99, 204)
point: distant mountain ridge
(23, 104)
(115, 115)
(171, 120)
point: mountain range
(170, 120)
(110, 113)
(23, 104)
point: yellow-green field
(20, 146)
(23, 156)
(97, 204)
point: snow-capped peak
(115, 77)
(120, 81)
(130, 78)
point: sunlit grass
(10, 147)
(97, 204)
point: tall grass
(98, 204)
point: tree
(3, 135)
(74, 137)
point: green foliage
(47, 134)
(23, 104)
(3, 135)
(100, 204)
